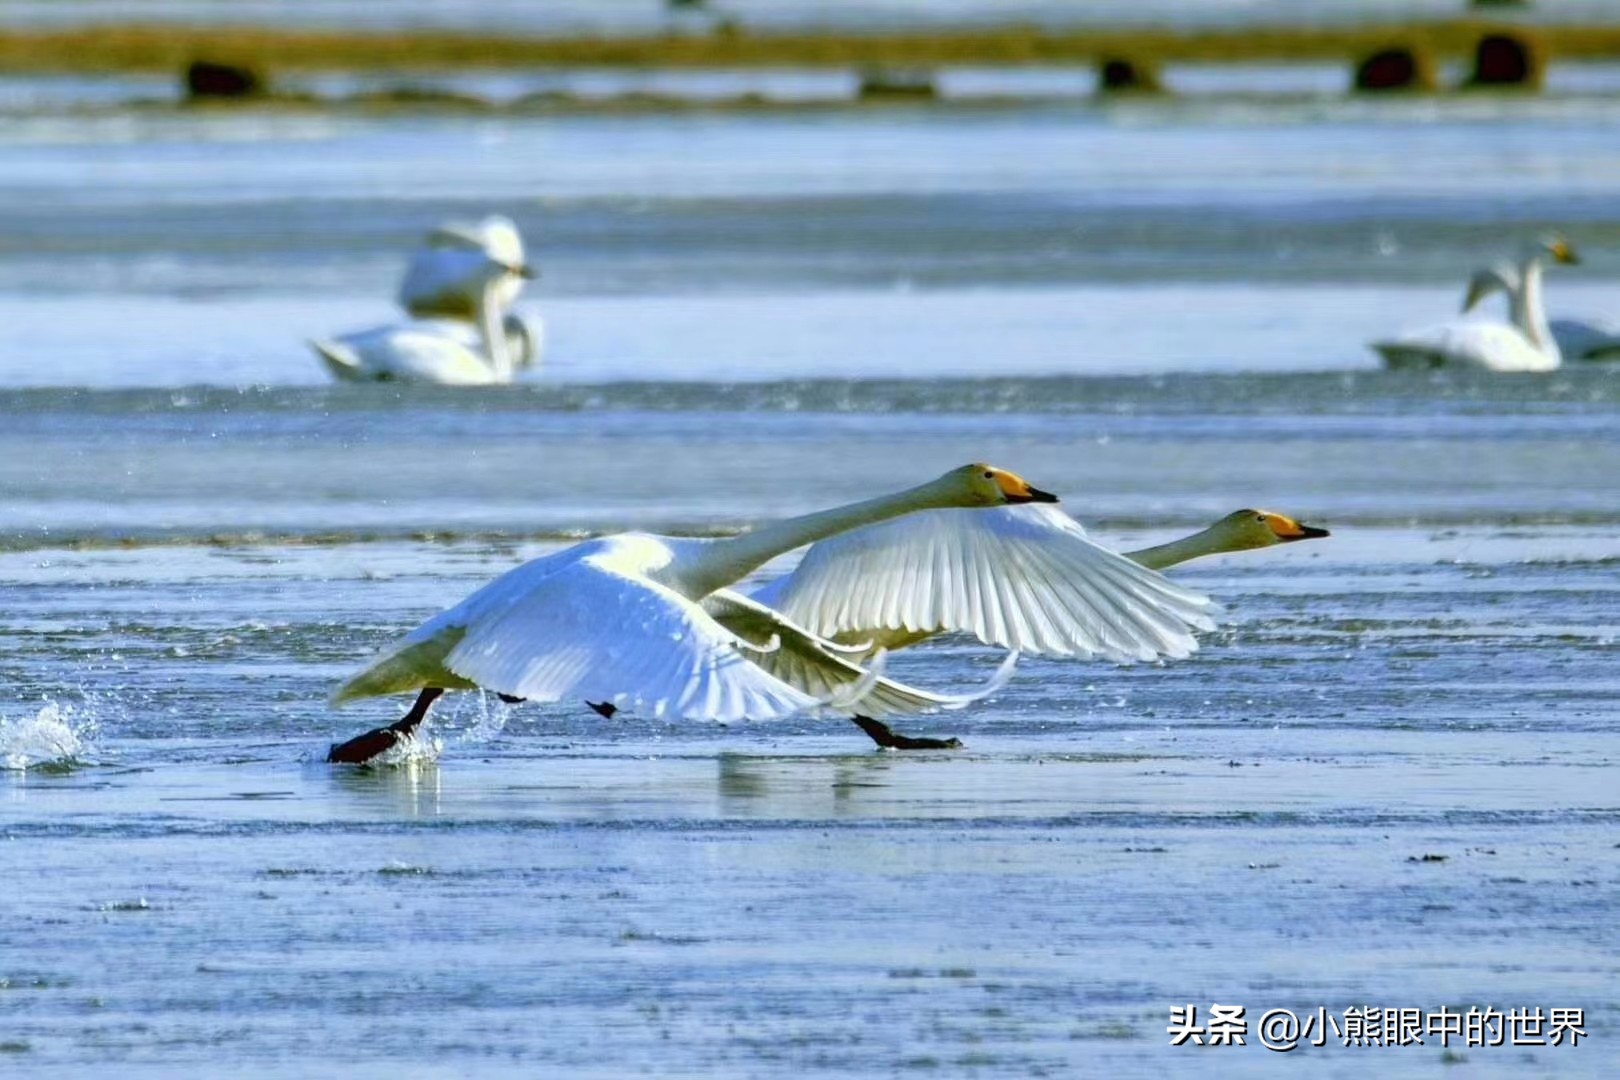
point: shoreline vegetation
(139, 48)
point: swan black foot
(604, 709)
(362, 748)
(511, 699)
(890, 739)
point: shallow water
(1388, 779)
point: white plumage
(443, 351)
(618, 619)
(1023, 577)
(1524, 343)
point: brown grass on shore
(154, 48)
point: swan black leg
(362, 748)
(889, 739)
(604, 709)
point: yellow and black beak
(1031, 494)
(525, 271)
(1287, 530)
(1563, 252)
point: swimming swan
(443, 351)
(1524, 344)
(618, 619)
(438, 350)
(1578, 339)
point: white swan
(893, 584)
(1578, 339)
(444, 351)
(440, 351)
(843, 587)
(618, 620)
(1241, 530)
(1524, 344)
(445, 278)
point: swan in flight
(619, 619)
(860, 589)
(442, 350)
(893, 584)
(1523, 344)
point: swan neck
(725, 562)
(1529, 312)
(1196, 546)
(492, 328)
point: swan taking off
(894, 584)
(1523, 344)
(442, 350)
(618, 619)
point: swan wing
(595, 627)
(1023, 577)
(825, 670)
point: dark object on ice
(887, 84)
(361, 749)
(889, 739)
(1507, 61)
(1118, 75)
(1396, 68)
(209, 79)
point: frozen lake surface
(1389, 779)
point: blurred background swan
(1578, 339)
(458, 289)
(1524, 343)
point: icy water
(1388, 780)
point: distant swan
(441, 350)
(1524, 344)
(1578, 339)
(619, 619)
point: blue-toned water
(1388, 779)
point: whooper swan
(617, 619)
(1524, 344)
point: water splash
(51, 737)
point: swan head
(1244, 530)
(985, 485)
(1553, 247)
(496, 237)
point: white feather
(1022, 577)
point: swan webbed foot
(604, 709)
(511, 699)
(361, 749)
(889, 739)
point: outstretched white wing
(1023, 577)
(585, 624)
(827, 671)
